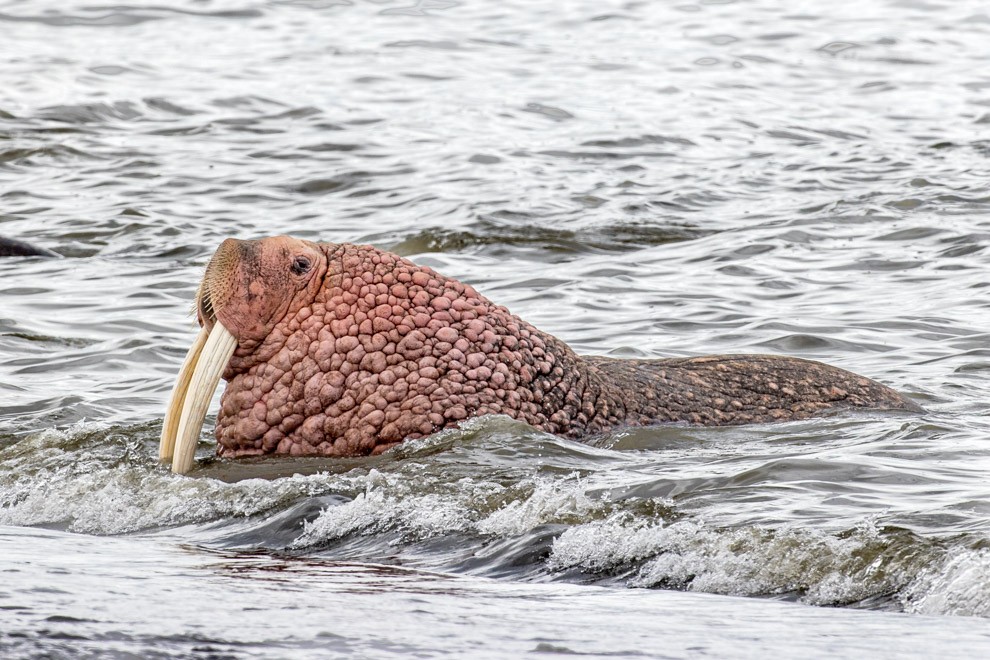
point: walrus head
(249, 288)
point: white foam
(105, 494)
(46, 482)
(825, 568)
(551, 500)
(604, 545)
(377, 510)
(127, 499)
(959, 586)
(391, 502)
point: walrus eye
(301, 265)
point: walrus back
(722, 390)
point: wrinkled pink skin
(366, 349)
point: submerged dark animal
(338, 349)
(10, 247)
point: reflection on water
(639, 179)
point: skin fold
(347, 350)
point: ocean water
(638, 179)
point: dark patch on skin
(369, 349)
(250, 266)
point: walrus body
(342, 350)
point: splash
(956, 586)
(87, 479)
(422, 509)
(816, 566)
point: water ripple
(629, 178)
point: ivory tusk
(206, 373)
(171, 424)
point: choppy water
(640, 179)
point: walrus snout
(234, 260)
(217, 283)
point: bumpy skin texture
(368, 349)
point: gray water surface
(639, 179)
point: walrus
(345, 350)
(11, 247)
